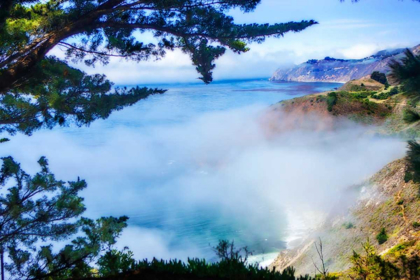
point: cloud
(360, 51)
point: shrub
(381, 96)
(382, 237)
(370, 265)
(410, 116)
(379, 77)
(362, 95)
(348, 225)
(331, 100)
(393, 91)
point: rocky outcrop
(339, 70)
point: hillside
(339, 70)
(364, 101)
(385, 201)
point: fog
(221, 174)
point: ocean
(174, 164)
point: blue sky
(346, 30)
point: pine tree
(41, 91)
(37, 210)
(407, 72)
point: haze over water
(191, 166)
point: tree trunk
(2, 264)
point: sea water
(155, 163)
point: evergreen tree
(371, 266)
(413, 162)
(40, 91)
(407, 72)
(37, 210)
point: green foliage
(381, 96)
(410, 116)
(407, 72)
(106, 29)
(3, 140)
(331, 100)
(362, 95)
(70, 97)
(348, 225)
(357, 88)
(413, 162)
(37, 91)
(115, 262)
(200, 269)
(394, 91)
(382, 237)
(379, 77)
(232, 265)
(39, 209)
(401, 247)
(226, 251)
(416, 225)
(371, 266)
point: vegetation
(379, 77)
(413, 162)
(407, 72)
(382, 237)
(40, 209)
(41, 91)
(410, 116)
(348, 225)
(200, 269)
(393, 91)
(370, 265)
(38, 91)
(331, 100)
(36, 210)
(381, 96)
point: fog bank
(220, 175)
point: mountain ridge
(332, 69)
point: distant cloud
(360, 51)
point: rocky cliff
(339, 70)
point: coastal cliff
(384, 201)
(387, 201)
(339, 70)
